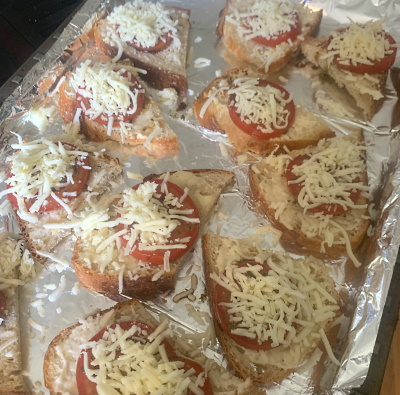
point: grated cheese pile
(141, 367)
(263, 105)
(152, 221)
(37, 169)
(264, 18)
(16, 266)
(283, 306)
(359, 44)
(329, 176)
(142, 23)
(111, 93)
(288, 307)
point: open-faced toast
(106, 263)
(318, 196)
(254, 294)
(153, 36)
(266, 34)
(213, 110)
(60, 364)
(357, 58)
(112, 103)
(50, 181)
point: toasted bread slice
(63, 352)
(104, 170)
(148, 129)
(116, 272)
(12, 274)
(331, 235)
(212, 112)
(264, 58)
(165, 68)
(280, 361)
(366, 91)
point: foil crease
(364, 290)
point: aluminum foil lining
(363, 290)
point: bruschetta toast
(318, 197)
(266, 34)
(112, 103)
(140, 251)
(50, 181)
(357, 58)
(149, 349)
(153, 36)
(256, 114)
(270, 310)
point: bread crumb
(200, 63)
(283, 79)
(198, 39)
(218, 73)
(59, 310)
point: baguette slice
(279, 362)
(63, 352)
(166, 68)
(148, 132)
(315, 233)
(104, 170)
(139, 279)
(367, 92)
(265, 59)
(306, 130)
(12, 259)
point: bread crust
(158, 76)
(236, 355)
(243, 50)
(165, 143)
(143, 286)
(314, 49)
(295, 237)
(307, 129)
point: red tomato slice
(87, 387)
(185, 229)
(222, 295)
(295, 188)
(163, 42)
(103, 118)
(207, 387)
(252, 128)
(80, 177)
(281, 37)
(378, 66)
(3, 305)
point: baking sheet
(363, 291)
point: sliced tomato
(84, 102)
(189, 364)
(295, 188)
(222, 295)
(163, 42)
(80, 177)
(185, 229)
(280, 37)
(3, 305)
(377, 66)
(87, 387)
(253, 128)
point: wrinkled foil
(363, 290)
